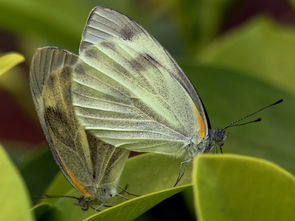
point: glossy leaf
(15, 201)
(232, 187)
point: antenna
(234, 123)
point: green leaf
(150, 175)
(15, 202)
(261, 48)
(229, 95)
(131, 209)
(231, 187)
(9, 60)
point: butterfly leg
(181, 171)
(125, 190)
(122, 196)
(97, 209)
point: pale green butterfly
(129, 92)
(92, 166)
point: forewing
(105, 24)
(128, 99)
(50, 86)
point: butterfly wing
(84, 162)
(128, 99)
(105, 24)
(129, 92)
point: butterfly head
(217, 136)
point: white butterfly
(129, 92)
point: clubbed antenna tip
(279, 101)
(235, 123)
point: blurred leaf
(231, 187)
(198, 20)
(9, 60)
(17, 84)
(38, 170)
(228, 95)
(13, 191)
(260, 48)
(46, 18)
(150, 175)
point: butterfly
(129, 92)
(92, 166)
